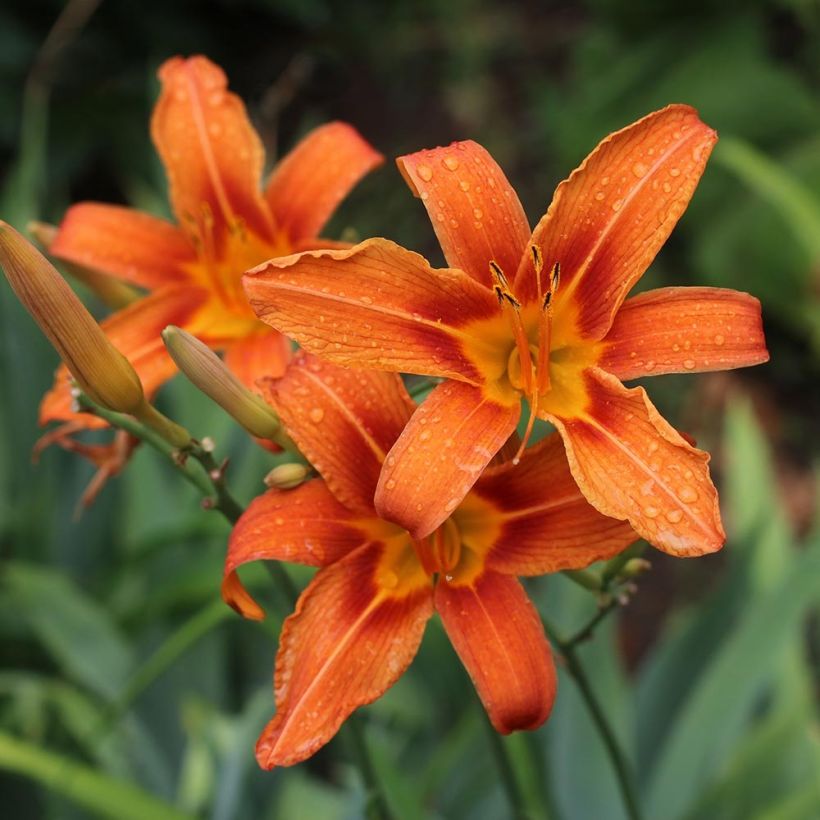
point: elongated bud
(287, 476)
(102, 372)
(210, 374)
(633, 568)
(110, 291)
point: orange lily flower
(538, 316)
(358, 624)
(225, 223)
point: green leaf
(77, 631)
(730, 686)
(102, 795)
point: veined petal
(377, 306)
(135, 332)
(474, 210)
(306, 525)
(344, 421)
(531, 518)
(123, 243)
(631, 464)
(352, 636)
(212, 155)
(498, 635)
(259, 356)
(680, 330)
(450, 439)
(609, 219)
(307, 186)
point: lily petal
(474, 210)
(450, 439)
(262, 355)
(609, 219)
(123, 243)
(536, 518)
(350, 639)
(377, 306)
(498, 635)
(344, 421)
(306, 525)
(631, 464)
(681, 330)
(307, 186)
(135, 332)
(212, 155)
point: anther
(537, 259)
(556, 276)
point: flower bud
(633, 568)
(287, 476)
(102, 372)
(110, 291)
(212, 376)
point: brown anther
(547, 301)
(537, 259)
(555, 276)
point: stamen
(512, 308)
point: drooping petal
(306, 525)
(344, 421)
(259, 356)
(377, 306)
(354, 632)
(212, 155)
(680, 330)
(498, 635)
(474, 210)
(609, 219)
(631, 464)
(124, 243)
(450, 439)
(135, 332)
(307, 186)
(531, 518)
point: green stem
(512, 787)
(623, 773)
(376, 806)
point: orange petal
(350, 640)
(499, 637)
(376, 305)
(124, 243)
(135, 332)
(631, 464)
(450, 439)
(263, 355)
(537, 517)
(680, 330)
(307, 186)
(344, 421)
(609, 219)
(474, 209)
(306, 525)
(212, 155)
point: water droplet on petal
(390, 484)
(689, 364)
(600, 195)
(719, 340)
(316, 415)
(674, 516)
(425, 172)
(687, 494)
(616, 205)
(651, 512)
(451, 163)
(674, 172)
(639, 169)
(464, 185)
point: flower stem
(376, 806)
(512, 787)
(623, 773)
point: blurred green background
(128, 690)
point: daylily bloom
(534, 315)
(225, 223)
(358, 624)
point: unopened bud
(110, 291)
(102, 372)
(212, 376)
(633, 568)
(286, 476)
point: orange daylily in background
(534, 315)
(358, 624)
(225, 223)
